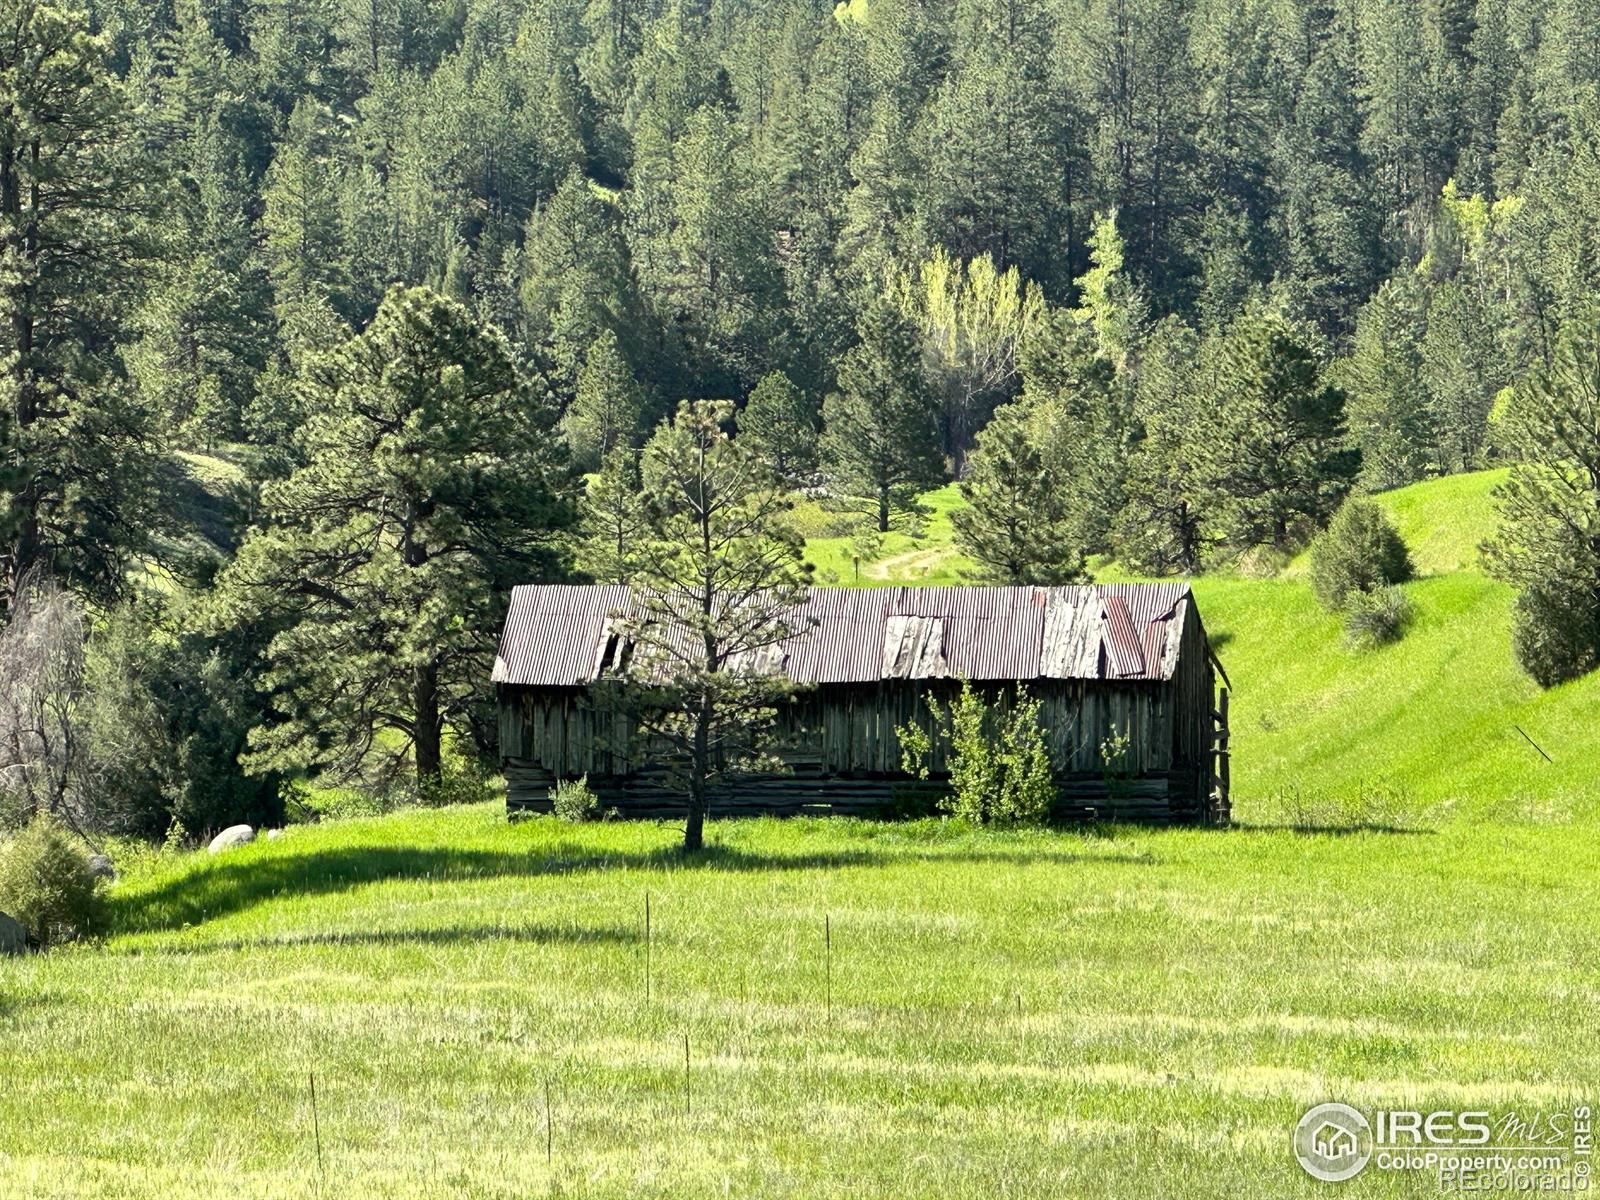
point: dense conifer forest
(326, 321)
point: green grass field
(1144, 1013)
(1095, 1013)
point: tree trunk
(425, 699)
(883, 510)
(23, 552)
(694, 835)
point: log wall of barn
(844, 754)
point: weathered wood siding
(844, 754)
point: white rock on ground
(234, 835)
(274, 834)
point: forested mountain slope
(317, 314)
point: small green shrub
(463, 780)
(46, 884)
(1376, 618)
(1555, 632)
(1000, 769)
(571, 800)
(1359, 552)
(1116, 765)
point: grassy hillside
(1029, 1015)
(1107, 1013)
(918, 551)
(1423, 730)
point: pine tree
(1019, 525)
(578, 274)
(1082, 422)
(881, 432)
(1462, 372)
(1332, 231)
(301, 218)
(431, 487)
(609, 408)
(1136, 80)
(706, 249)
(613, 522)
(1162, 528)
(1272, 458)
(716, 582)
(779, 422)
(994, 183)
(1389, 410)
(74, 242)
(1548, 543)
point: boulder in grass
(101, 866)
(13, 937)
(274, 834)
(234, 835)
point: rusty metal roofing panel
(840, 639)
(989, 632)
(1124, 645)
(557, 635)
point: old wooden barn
(1129, 658)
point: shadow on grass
(443, 936)
(232, 885)
(13, 1005)
(1336, 830)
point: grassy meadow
(1108, 1013)
(1119, 1012)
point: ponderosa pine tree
(1333, 245)
(609, 408)
(303, 247)
(433, 484)
(74, 240)
(1161, 528)
(613, 520)
(1272, 457)
(1388, 408)
(578, 276)
(779, 422)
(716, 582)
(881, 428)
(1019, 525)
(1548, 543)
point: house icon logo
(1332, 1142)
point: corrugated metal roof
(560, 635)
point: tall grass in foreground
(1115, 1012)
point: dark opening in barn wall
(1128, 657)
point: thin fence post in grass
(549, 1126)
(316, 1129)
(1534, 744)
(827, 956)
